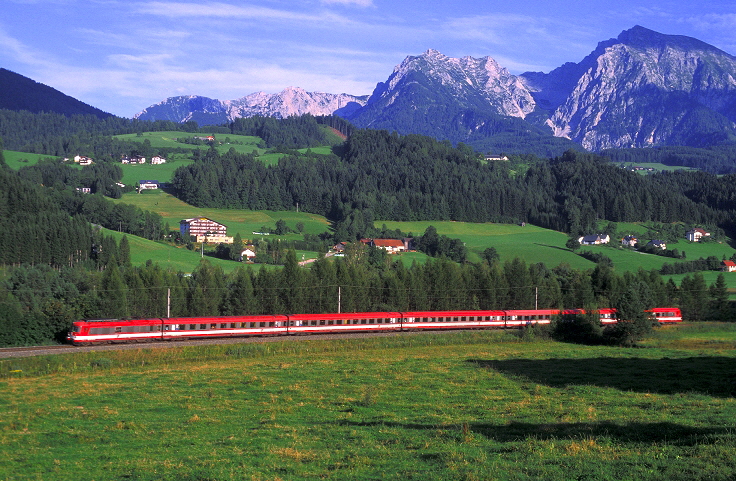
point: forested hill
(22, 93)
(387, 176)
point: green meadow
(463, 405)
(16, 160)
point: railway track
(12, 352)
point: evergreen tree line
(102, 178)
(57, 134)
(387, 176)
(294, 132)
(38, 304)
(52, 225)
(36, 230)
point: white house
(659, 244)
(156, 159)
(629, 241)
(594, 239)
(247, 255)
(147, 184)
(694, 235)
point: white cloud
(360, 3)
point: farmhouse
(147, 184)
(491, 158)
(594, 239)
(629, 241)
(659, 244)
(82, 160)
(133, 159)
(157, 159)
(694, 235)
(728, 266)
(247, 255)
(393, 246)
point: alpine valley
(640, 89)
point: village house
(659, 244)
(133, 159)
(728, 266)
(147, 184)
(392, 246)
(629, 241)
(83, 160)
(491, 158)
(694, 235)
(157, 159)
(247, 255)
(594, 239)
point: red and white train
(163, 329)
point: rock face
(290, 101)
(471, 82)
(641, 89)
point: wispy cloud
(360, 3)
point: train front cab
(114, 331)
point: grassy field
(533, 244)
(243, 221)
(470, 406)
(16, 160)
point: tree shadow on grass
(633, 432)
(712, 376)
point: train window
(223, 325)
(338, 322)
(118, 329)
(232, 325)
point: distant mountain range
(640, 89)
(21, 93)
(290, 101)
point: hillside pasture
(16, 160)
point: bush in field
(578, 328)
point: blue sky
(122, 56)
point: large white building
(205, 230)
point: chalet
(84, 190)
(594, 239)
(629, 241)
(393, 246)
(694, 235)
(659, 244)
(728, 266)
(492, 158)
(247, 255)
(133, 159)
(82, 160)
(147, 184)
(201, 227)
(157, 159)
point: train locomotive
(87, 332)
